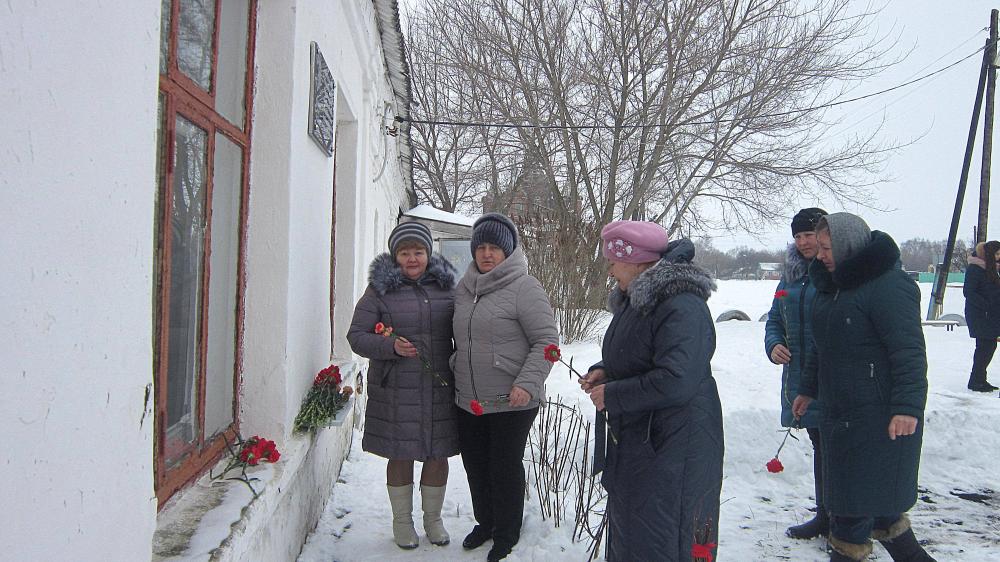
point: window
(203, 141)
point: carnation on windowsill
(247, 453)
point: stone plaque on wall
(322, 101)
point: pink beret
(633, 241)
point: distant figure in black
(982, 310)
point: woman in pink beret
(663, 464)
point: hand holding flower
(800, 405)
(404, 348)
(593, 378)
(518, 397)
(780, 355)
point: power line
(449, 122)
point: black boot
(818, 525)
(476, 538)
(980, 386)
(901, 543)
(499, 551)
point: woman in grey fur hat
(869, 370)
(663, 464)
(411, 413)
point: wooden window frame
(182, 96)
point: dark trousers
(493, 451)
(817, 467)
(985, 347)
(857, 530)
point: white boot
(432, 498)
(401, 499)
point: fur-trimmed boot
(432, 499)
(401, 499)
(901, 543)
(842, 551)
(818, 525)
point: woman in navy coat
(663, 469)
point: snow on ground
(961, 442)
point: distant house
(192, 192)
(532, 191)
(769, 270)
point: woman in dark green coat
(869, 370)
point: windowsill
(219, 520)
(200, 518)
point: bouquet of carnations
(323, 400)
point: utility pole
(936, 304)
(991, 85)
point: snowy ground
(961, 442)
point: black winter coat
(664, 475)
(869, 365)
(982, 303)
(410, 413)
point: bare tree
(692, 113)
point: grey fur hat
(849, 234)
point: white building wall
(287, 326)
(78, 97)
(77, 190)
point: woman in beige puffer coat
(503, 322)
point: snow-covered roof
(394, 51)
(430, 213)
(769, 266)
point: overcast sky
(919, 200)
(937, 112)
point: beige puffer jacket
(503, 321)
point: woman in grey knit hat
(503, 322)
(869, 370)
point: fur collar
(796, 266)
(660, 282)
(385, 275)
(879, 256)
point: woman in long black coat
(663, 469)
(411, 413)
(982, 311)
(869, 370)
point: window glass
(187, 235)
(458, 253)
(232, 69)
(164, 35)
(227, 176)
(194, 41)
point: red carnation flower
(781, 294)
(476, 407)
(702, 551)
(774, 465)
(552, 353)
(379, 328)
